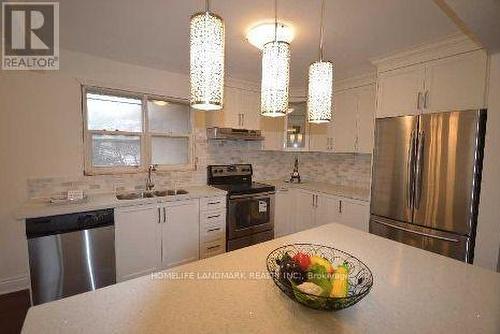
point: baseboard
(13, 284)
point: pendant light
(320, 86)
(275, 74)
(207, 60)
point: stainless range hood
(233, 134)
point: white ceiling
(154, 33)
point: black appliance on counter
(250, 205)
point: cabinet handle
(214, 229)
(426, 98)
(210, 217)
(313, 201)
(340, 206)
(213, 203)
(213, 247)
(242, 119)
(164, 215)
(419, 98)
(159, 215)
(317, 197)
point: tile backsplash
(334, 168)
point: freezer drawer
(444, 243)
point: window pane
(168, 117)
(118, 151)
(106, 112)
(170, 151)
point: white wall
(488, 233)
(41, 134)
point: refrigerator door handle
(409, 170)
(415, 232)
(418, 169)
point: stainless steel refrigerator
(426, 180)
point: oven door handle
(253, 196)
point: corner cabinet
(455, 82)
(155, 236)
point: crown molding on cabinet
(355, 82)
(454, 45)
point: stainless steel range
(250, 205)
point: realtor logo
(30, 35)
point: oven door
(250, 214)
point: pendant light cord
(275, 20)
(321, 30)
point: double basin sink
(150, 194)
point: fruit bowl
(319, 277)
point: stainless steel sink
(135, 195)
(145, 194)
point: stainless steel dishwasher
(70, 254)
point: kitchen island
(414, 291)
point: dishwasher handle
(45, 226)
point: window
(126, 132)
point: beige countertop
(356, 193)
(42, 208)
(414, 291)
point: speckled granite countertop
(42, 208)
(360, 194)
(414, 291)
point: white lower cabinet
(311, 209)
(180, 233)
(283, 216)
(137, 241)
(355, 214)
(155, 237)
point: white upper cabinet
(343, 126)
(273, 130)
(180, 233)
(447, 77)
(400, 91)
(241, 110)
(366, 118)
(456, 83)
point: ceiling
(154, 33)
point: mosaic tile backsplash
(333, 168)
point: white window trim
(145, 135)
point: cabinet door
(180, 233)
(232, 112)
(250, 106)
(305, 210)
(137, 241)
(318, 137)
(366, 118)
(283, 224)
(273, 130)
(355, 214)
(344, 121)
(457, 83)
(327, 210)
(398, 91)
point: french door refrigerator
(426, 180)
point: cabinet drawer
(212, 217)
(213, 203)
(214, 232)
(213, 248)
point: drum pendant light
(275, 75)
(320, 86)
(207, 60)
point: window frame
(145, 135)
